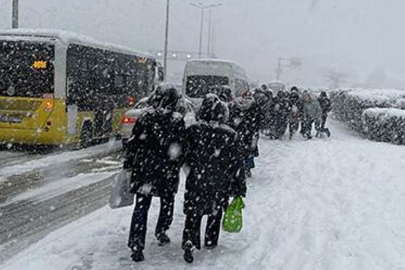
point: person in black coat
(282, 109)
(262, 98)
(296, 111)
(326, 107)
(155, 157)
(245, 119)
(214, 173)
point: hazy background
(360, 40)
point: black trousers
(192, 230)
(307, 126)
(294, 125)
(137, 233)
(281, 126)
(323, 120)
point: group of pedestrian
(212, 154)
(216, 153)
(294, 110)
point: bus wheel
(86, 136)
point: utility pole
(279, 70)
(291, 62)
(203, 7)
(15, 14)
(201, 33)
(209, 33)
(166, 39)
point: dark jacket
(282, 105)
(296, 104)
(155, 153)
(245, 119)
(214, 168)
(325, 104)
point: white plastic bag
(120, 195)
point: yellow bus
(59, 88)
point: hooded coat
(245, 119)
(311, 109)
(155, 152)
(325, 103)
(213, 162)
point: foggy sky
(362, 38)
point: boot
(137, 255)
(163, 239)
(210, 246)
(188, 252)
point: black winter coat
(296, 104)
(325, 104)
(282, 107)
(246, 122)
(155, 153)
(215, 169)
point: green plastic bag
(232, 221)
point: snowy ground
(43, 192)
(333, 203)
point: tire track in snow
(27, 222)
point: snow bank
(387, 125)
(358, 108)
(385, 113)
(382, 97)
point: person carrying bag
(216, 172)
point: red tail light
(128, 120)
(131, 101)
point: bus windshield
(199, 86)
(26, 69)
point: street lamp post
(14, 19)
(203, 7)
(166, 39)
(209, 32)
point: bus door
(103, 114)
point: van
(202, 77)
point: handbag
(120, 192)
(233, 220)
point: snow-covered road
(334, 203)
(43, 192)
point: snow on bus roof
(71, 37)
(237, 67)
(215, 60)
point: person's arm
(329, 105)
(238, 181)
(133, 143)
(182, 140)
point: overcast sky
(363, 38)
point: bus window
(199, 86)
(26, 69)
